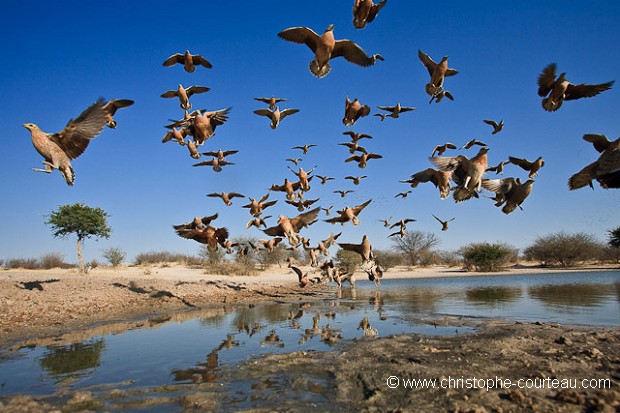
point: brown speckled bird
(353, 110)
(215, 163)
(531, 167)
(325, 47)
(512, 189)
(257, 222)
(184, 94)
(288, 187)
(441, 180)
(356, 179)
(349, 214)
(178, 135)
(188, 60)
(362, 159)
(305, 148)
(226, 196)
(271, 101)
(560, 89)
(301, 276)
(197, 222)
(437, 71)
(220, 154)
(289, 227)
(365, 11)
(209, 235)
(58, 149)
(324, 179)
(396, 110)
(276, 115)
(203, 125)
(466, 173)
(605, 170)
(112, 106)
(193, 149)
(440, 149)
(444, 224)
(497, 127)
(357, 136)
(257, 206)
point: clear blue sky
(59, 57)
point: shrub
(388, 259)
(23, 263)
(564, 249)
(159, 257)
(486, 257)
(52, 260)
(614, 238)
(230, 268)
(347, 260)
(114, 255)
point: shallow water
(194, 346)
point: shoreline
(68, 301)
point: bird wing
(300, 274)
(204, 163)
(600, 142)
(374, 156)
(352, 53)
(218, 117)
(274, 231)
(264, 112)
(374, 10)
(207, 220)
(499, 186)
(437, 218)
(360, 207)
(76, 136)
(287, 112)
(196, 89)
(305, 219)
(546, 80)
(585, 91)
(170, 94)
(351, 247)
(113, 105)
(523, 163)
(427, 62)
(490, 122)
(199, 60)
(302, 35)
(388, 108)
(174, 59)
(235, 195)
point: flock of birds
(460, 175)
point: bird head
(330, 28)
(30, 126)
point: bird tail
(581, 179)
(319, 71)
(68, 173)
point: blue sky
(66, 55)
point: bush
(486, 257)
(388, 259)
(614, 238)
(114, 255)
(23, 263)
(159, 257)
(52, 260)
(564, 249)
(230, 268)
(347, 260)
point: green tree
(81, 220)
(114, 255)
(487, 257)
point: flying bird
(498, 169)
(353, 147)
(257, 222)
(466, 173)
(197, 222)
(215, 163)
(444, 224)
(327, 210)
(440, 149)
(362, 159)
(178, 135)
(356, 179)
(386, 222)
(349, 214)
(555, 91)
(471, 143)
(302, 204)
(220, 154)
(439, 96)
(58, 149)
(295, 161)
(226, 196)
(365, 11)
(497, 127)
(276, 115)
(353, 110)
(288, 187)
(271, 101)
(396, 110)
(325, 47)
(382, 115)
(531, 167)
(209, 235)
(305, 148)
(269, 244)
(202, 125)
(289, 227)
(188, 61)
(357, 136)
(193, 150)
(257, 206)
(605, 170)
(343, 193)
(441, 180)
(112, 106)
(513, 191)
(304, 178)
(301, 276)
(324, 179)
(369, 264)
(184, 94)
(403, 195)
(437, 71)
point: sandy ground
(350, 378)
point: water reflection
(72, 360)
(492, 296)
(566, 296)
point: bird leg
(48, 167)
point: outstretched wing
(302, 35)
(76, 136)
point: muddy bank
(354, 377)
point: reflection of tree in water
(74, 358)
(491, 296)
(250, 320)
(418, 300)
(570, 295)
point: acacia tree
(416, 246)
(81, 220)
